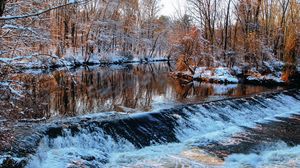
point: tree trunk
(226, 29)
(2, 7)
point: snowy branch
(9, 86)
(9, 60)
(16, 27)
(71, 2)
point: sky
(170, 7)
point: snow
(113, 58)
(30, 61)
(15, 27)
(39, 12)
(237, 70)
(10, 86)
(202, 72)
(36, 60)
(220, 74)
(257, 77)
(223, 74)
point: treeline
(83, 28)
(234, 32)
(210, 33)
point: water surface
(129, 88)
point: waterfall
(222, 131)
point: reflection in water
(130, 88)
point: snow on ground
(218, 75)
(44, 61)
(114, 58)
(259, 78)
(269, 77)
(271, 73)
(274, 65)
(237, 70)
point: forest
(208, 33)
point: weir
(280, 129)
(219, 128)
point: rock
(88, 158)
(11, 163)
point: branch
(154, 45)
(72, 2)
(16, 27)
(8, 86)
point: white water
(202, 127)
(277, 155)
(68, 151)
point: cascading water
(214, 134)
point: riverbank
(53, 62)
(271, 74)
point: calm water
(129, 88)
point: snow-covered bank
(270, 74)
(265, 79)
(36, 61)
(218, 75)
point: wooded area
(246, 32)
(83, 28)
(211, 32)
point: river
(137, 115)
